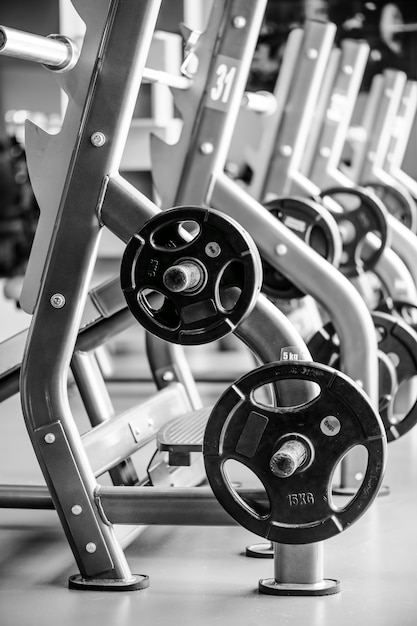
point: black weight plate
(19, 211)
(398, 201)
(406, 311)
(301, 509)
(315, 226)
(399, 342)
(362, 212)
(228, 263)
(324, 347)
(388, 382)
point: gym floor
(199, 575)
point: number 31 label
(222, 84)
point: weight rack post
(381, 107)
(333, 114)
(298, 571)
(95, 152)
(283, 175)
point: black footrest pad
(184, 433)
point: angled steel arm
(106, 107)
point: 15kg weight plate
(293, 451)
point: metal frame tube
(91, 387)
(261, 102)
(298, 116)
(168, 363)
(404, 243)
(311, 273)
(300, 564)
(393, 273)
(125, 209)
(112, 441)
(55, 51)
(99, 407)
(378, 119)
(401, 130)
(25, 497)
(9, 385)
(195, 506)
(326, 141)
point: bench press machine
(76, 176)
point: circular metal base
(350, 491)
(327, 587)
(136, 583)
(260, 551)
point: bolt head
(330, 426)
(77, 509)
(212, 249)
(98, 139)
(312, 53)
(281, 249)
(49, 438)
(57, 300)
(91, 547)
(206, 148)
(285, 151)
(239, 21)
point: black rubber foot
(327, 587)
(136, 583)
(260, 551)
(350, 491)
